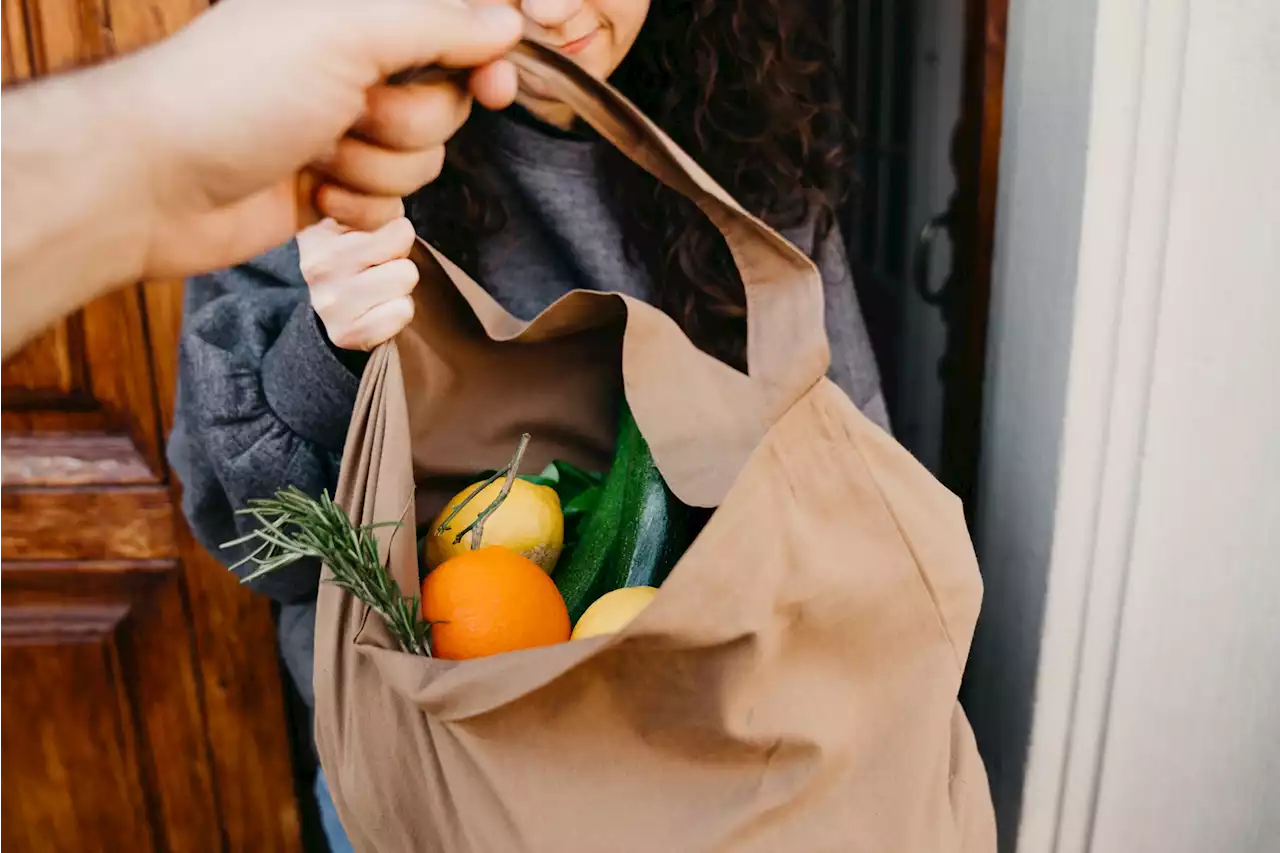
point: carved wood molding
(86, 622)
(103, 523)
(63, 578)
(73, 460)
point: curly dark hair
(749, 81)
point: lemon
(528, 522)
(613, 611)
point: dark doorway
(922, 84)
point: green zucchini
(598, 532)
(653, 526)
(634, 534)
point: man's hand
(254, 89)
(184, 157)
(361, 282)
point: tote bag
(793, 685)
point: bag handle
(787, 350)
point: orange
(490, 601)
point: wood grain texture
(127, 522)
(13, 43)
(244, 702)
(67, 33)
(50, 367)
(133, 24)
(138, 606)
(30, 582)
(70, 770)
(165, 682)
(115, 336)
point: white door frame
(1097, 172)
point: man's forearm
(75, 197)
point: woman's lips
(577, 45)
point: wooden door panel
(142, 705)
(94, 376)
(89, 524)
(90, 561)
(94, 796)
(67, 33)
(49, 368)
(131, 615)
(14, 43)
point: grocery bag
(793, 685)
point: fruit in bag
(529, 522)
(613, 611)
(489, 601)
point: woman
(533, 205)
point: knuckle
(411, 116)
(363, 242)
(434, 162)
(417, 128)
(403, 273)
(402, 173)
(432, 113)
(404, 311)
(364, 217)
(323, 301)
(343, 339)
(403, 235)
(314, 270)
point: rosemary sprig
(293, 526)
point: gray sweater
(264, 401)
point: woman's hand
(361, 282)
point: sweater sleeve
(263, 403)
(853, 363)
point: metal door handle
(920, 258)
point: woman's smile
(577, 45)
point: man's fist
(253, 90)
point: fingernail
(499, 20)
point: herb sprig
(293, 526)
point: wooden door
(142, 705)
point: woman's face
(596, 34)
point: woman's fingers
(380, 323)
(384, 283)
(327, 257)
(343, 303)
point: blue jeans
(333, 831)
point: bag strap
(787, 350)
